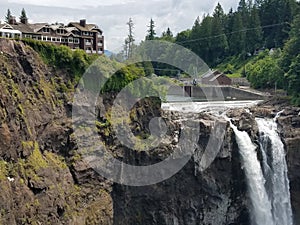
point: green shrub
(62, 57)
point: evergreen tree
(254, 32)
(167, 35)
(183, 37)
(196, 34)
(23, 16)
(219, 44)
(278, 14)
(228, 23)
(151, 31)
(205, 39)
(8, 15)
(258, 3)
(243, 9)
(219, 13)
(290, 62)
(129, 41)
(238, 35)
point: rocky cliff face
(44, 179)
(41, 181)
(215, 196)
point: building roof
(37, 26)
(216, 77)
(6, 26)
(24, 28)
(78, 26)
(55, 26)
(207, 74)
(87, 27)
(71, 34)
(70, 29)
(211, 74)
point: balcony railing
(100, 44)
(88, 43)
(88, 51)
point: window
(48, 38)
(70, 40)
(76, 41)
(46, 29)
(60, 31)
(44, 38)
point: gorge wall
(44, 179)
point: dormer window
(46, 29)
(60, 31)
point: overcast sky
(112, 15)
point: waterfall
(275, 171)
(261, 210)
(268, 183)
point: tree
(265, 73)
(279, 12)
(23, 16)
(196, 34)
(291, 59)
(254, 34)
(238, 35)
(129, 41)
(219, 13)
(167, 35)
(219, 42)
(228, 22)
(8, 15)
(202, 36)
(151, 32)
(243, 9)
(183, 37)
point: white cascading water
(261, 213)
(275, 171)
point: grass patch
(234, 75)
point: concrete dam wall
(216, 93)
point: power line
(166, 69)
(233, 32)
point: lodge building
(215, 78)
(76, 35)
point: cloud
(71, 3)
(112, 15)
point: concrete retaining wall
(215, 93)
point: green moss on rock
(3, 170)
